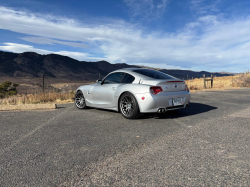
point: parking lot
(206, 144)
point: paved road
(205, 145)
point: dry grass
(219, 82)
(227, 82)
(243, 80)
(47, 97)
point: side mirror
(99, 81)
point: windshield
(153, 74)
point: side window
(114, 78)
(127, 79)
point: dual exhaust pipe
(163, 110)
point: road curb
(28, 107)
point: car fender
(136, 89)
(86, 90)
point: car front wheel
(80, 100)
(128, 106)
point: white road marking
(32, 132)
(242, 114)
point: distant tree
(7, 89)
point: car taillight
(186, 88)
(155, 89)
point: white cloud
(205, 6)
(19, 48)
(43, 40)
(146, 9)
(209, 43)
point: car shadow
(194, 109)
(100, 109)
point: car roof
(128, 70)
(131, 72)
(137, 76)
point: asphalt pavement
(207, 144)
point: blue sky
(211, 35)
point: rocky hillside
(32, 65)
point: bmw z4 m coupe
(134, 91)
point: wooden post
(204, 76)
(191, 81)
(212, 81)
(233, 81)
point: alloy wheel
(79, 100)
(127, 105)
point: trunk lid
(167, 85)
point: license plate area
(177, 101)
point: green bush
(8, 89)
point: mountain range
(33, 65)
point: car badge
(175, 85)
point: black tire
(128, 106)
(80, 100)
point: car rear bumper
(150, 103)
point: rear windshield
(153, 74)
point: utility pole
(43, 81)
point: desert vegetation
(33, 93)
(8, 89)
(13, 94)
(35, 98)
(241, 80)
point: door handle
(113, 88)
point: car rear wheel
(80, 100)
(128, 106)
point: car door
(103, 94)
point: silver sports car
(134, 91)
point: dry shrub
(243, 80)
(43, 97)
(194, 87)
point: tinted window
(128, 78)
(153, 74)
(114, 78)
